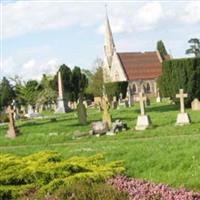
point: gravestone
(106, 117)
(143, 120)
(85, 103)
(61, 101)
(114, 102)
(81, 111)
(99, 128)
(12, 131)
(16, 111)
(182, 117)
(195, 105)
(129, 97)
(158, 98)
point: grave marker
(182, 117)
(143, 120)
(12, 131)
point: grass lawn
(164, 153)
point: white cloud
(191, 13)
(23, 17)
(30, 69)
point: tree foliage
(161, 49)
(181, 73)
(194, 47)
(6, 92)
(47, 94)
(28, 92)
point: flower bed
(145, 190)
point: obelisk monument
(61, 102)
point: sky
(37, 36)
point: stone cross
(181, 95)
(60, 86)
(141, 100)
(11, 133)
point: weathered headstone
(85, 103)
(158, 98)
(114, 103)
(81, 111)
(99, 128)
(183, 117)
(61, 101)
(195, 105)
(143, 120)
(12, 131)
(129, 97)
(106, 117)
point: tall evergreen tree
(161, 49)
(6, 92)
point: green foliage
(84, 190)
(96, 85)
(161, 49)
(115, 88)
(6, 93)
(194, 47)
(47, 94)
(28, 93)
(47, 171)
(79, 82)
(181, 73)
(74, 82)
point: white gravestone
(143, 120)
(182, 117)
(195, 105)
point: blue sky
(38, 36)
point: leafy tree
(96, 85)
(29, 92)
(6, 92)
(194, 47)
(162, 50)
(47, 94)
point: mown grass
(164, 153)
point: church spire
(109, 46)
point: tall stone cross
(60, 85)
(11, 133)
(181, 95)
(141, 100)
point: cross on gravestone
(181, 95)
(143, 120)
(141, 100)
(11, 133)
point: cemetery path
(82, 142)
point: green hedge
(180, 73)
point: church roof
(141, 66)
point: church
(140, 69)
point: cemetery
(127, 130)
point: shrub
(47, 171)
(82, 190)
